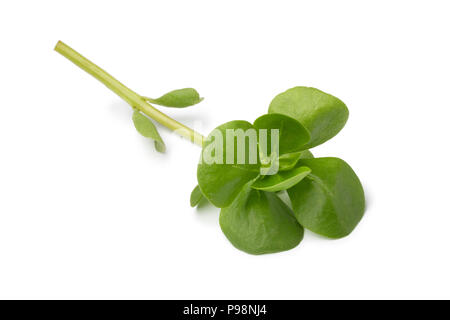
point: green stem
(131, 97)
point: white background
(88, 208)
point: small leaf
(180, 98)
(306, 154)
(282, 180)
(288, 161)
(258, 222)
(322, 114)
(291, 134)
(196, 196)
(146, 128)
(221, 173)
(330, 200)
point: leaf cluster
(325, 194)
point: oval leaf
(180, 98)
(330, 201)
(291, 134)
(196, 196)
(282, 180)
(306, 154)
(259, 222)
(146, 128)
(322, 114)
(224, 169)
(289, 160)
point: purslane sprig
(245, 166)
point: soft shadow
(203, 205)
(310, 234)
(206, 212)
(197, 120)
(368, 198)
(120, 109)
(149, 146)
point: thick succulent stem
(131, 97)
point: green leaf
(180, 98)
(280, 140)
(289, 160)
(258, 222)
(196, 196)
(306, 154)
(223, 169)
(282, 180)
(146, 128)
(322, 114)
(292, 136)
(330, 200)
